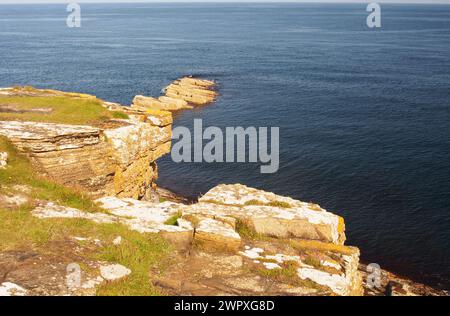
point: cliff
(110, 157)
(88, 191)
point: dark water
(364, 115)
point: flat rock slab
(114, 272)
(148, 220)
(272, 215)
(11, 289)
(42, 137)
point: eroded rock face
(116, 161)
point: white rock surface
(337, 283)
(271, 265)
(3, 159)
(114, 272)
(269, 214)
(11, 289)
(117, 241)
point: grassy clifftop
(29, 104)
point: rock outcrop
(181, 94)
(116, 158)
(312, 254)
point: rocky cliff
(116, 157)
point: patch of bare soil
(46, 273)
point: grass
(279, 204)
(20, 172)
(303, 245)
(288, 274)
(19, 230)
(65, 109)
(253, 202)
(138, 252)
(245, 231)
(173, 219)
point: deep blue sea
(364, 114)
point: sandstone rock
(52, 210)
(45, 137)
(242, 195)
(11, 289)
(3, 159)
(116, 161)
(214, 235)
(135, 141)
(192, 90)
(173, 103)
(162, 103)
(148, 217)
(270, 214)
(114, 272)
(341, 279)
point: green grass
(20, 172)
(65, 109)
(138, 252)
(173, 219)
(253, 202)
(279, 204)
(245, 231)
(288, 274)
(19, 230)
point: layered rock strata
(183, 93)
(115, 158)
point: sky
(117, 1)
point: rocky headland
(78, 189)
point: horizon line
(26, 2)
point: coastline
(391, 282)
